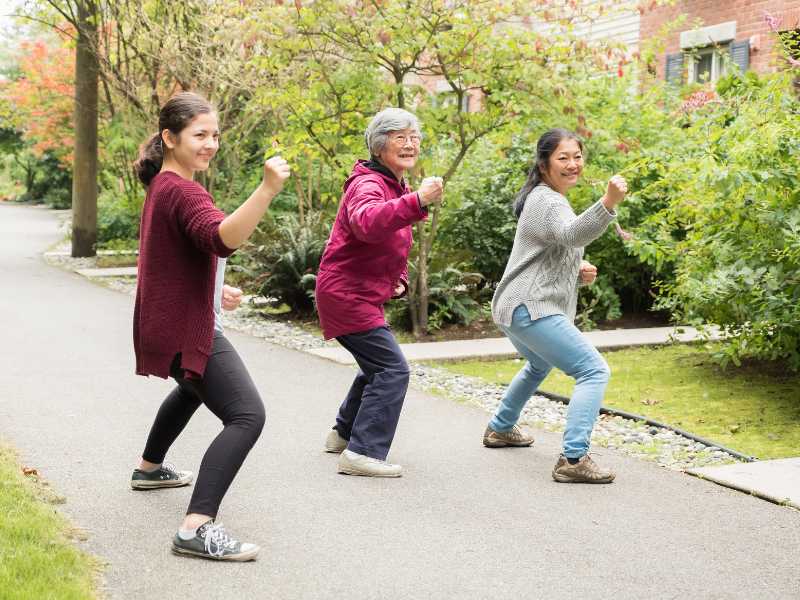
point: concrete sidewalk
(502, 348)
(463, 523)
(774, 480)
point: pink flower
(773, 22)
(697, 100)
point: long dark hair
(175, 115)
(545, 147)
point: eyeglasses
(402, 140)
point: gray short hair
(386, 121)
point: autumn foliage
(42, 98)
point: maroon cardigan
(178, 248)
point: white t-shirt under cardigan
(543, 270)
(219, 281)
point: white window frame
(714, 40)
(717, 62)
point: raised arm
(372, 217)
(241, 223)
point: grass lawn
(37, 558)
(749, 409)
(114, 261)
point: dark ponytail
(151, 157)
(175, 115)
(545, 147)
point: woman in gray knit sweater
(535, 303)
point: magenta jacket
(367, 252)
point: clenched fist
(430, 191)
(587, 273)
(615, 193)
(231, 297)
(276, 172)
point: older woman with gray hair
(364, 265)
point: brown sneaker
(513, 437)
(584, 471)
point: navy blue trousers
(369, 414)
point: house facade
(742, 30)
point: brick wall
(749, 17)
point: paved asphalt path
(464, 522)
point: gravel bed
(666, 448)
(662, 446)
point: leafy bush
(597, 302)
(117, 217)
(456, 297)
(731, 223)
(48, 182)
(477, 225)
(453, 297)
(288, 256)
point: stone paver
(502, 348)
(108, 272)
(774, 480)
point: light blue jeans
(555, 342)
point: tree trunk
(84, 173)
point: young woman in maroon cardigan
(184, 241)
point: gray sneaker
(351, 463)
(166, 476)
(584, 471)
(513, 437)
(335, 443)
(213, 542)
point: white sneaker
(335, 443)
(351, 463)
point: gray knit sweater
(543, 269)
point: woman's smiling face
(565, 165)
(401, 151)
(196, 144)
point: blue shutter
(740, 55)
(674, 69)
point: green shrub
(456, 297)
(118, 217)
(287, 256)
(731, 225)
(478, 225)
(48, 182)
(453, 297)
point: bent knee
(400, 371)
(403, 374)
(597, 370)
(259, 418)
(603, 370)
(251, 418)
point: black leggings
(228, 391)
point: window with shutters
(707, 64)
(707, 53)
